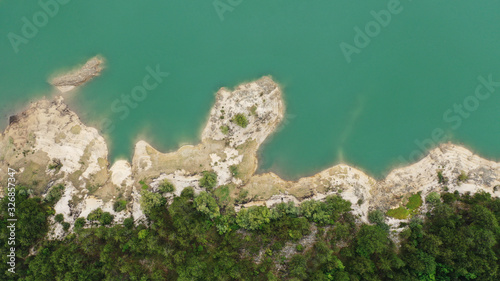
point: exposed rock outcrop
(49, 145)
(224, 143)
(365, 193)
(69, 81)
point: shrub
(284, 209)
(128, 223)
(95, 215)
(166, 187)
(188, 192)
(325, 212)
(242, 197)
(462, 177)
(371, 240)
(143, 234)
(234, 170)
(66, 226)
(449, 198)
(206, 204)
(224, 129)
(59, 218)
(442, 179)
(376, 217)
(55, 193)
(315, 211)
(336, 206)
(240, 120)
(106, 218)
(209, 180)
(120, 205)
(299, 248)
(223, 224)
(433, 198)
(80, 222)
(277, 246)
(253, 218)
(151, 200)
(298, 267)
(55, 165)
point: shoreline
(49, 133)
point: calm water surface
(372, 112)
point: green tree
(298, 267)
(207, 205)
(166, 187)
(106, 218)
(370, 240)
(79, 223)
(95, 215)
(376, 217)
(315, 211)
(433, 198)
(208, 180)
(284, 209)
(128, 223)
(66, 226)
(187, 192)
(253, 218)
(59, 218)
(150, 200)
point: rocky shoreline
(49, 145)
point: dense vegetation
(198, 238)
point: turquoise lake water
(371, 112)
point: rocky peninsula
(49, 145)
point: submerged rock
(69, 81)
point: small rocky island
(75, 78)
(50, 146)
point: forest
(201, 237)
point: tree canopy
(196, 238)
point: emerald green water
(367, 113)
